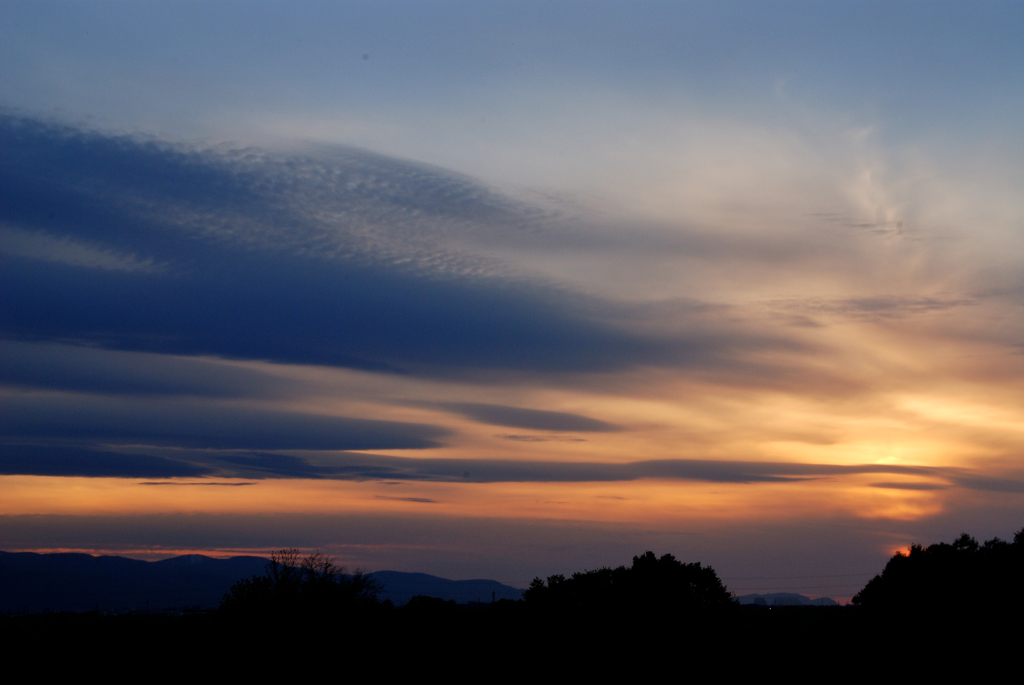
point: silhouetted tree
(652, 585)
(310, 586)
(962, 575)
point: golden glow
(641, 501)
(903, 415)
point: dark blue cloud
(73, 460)
(338, 262)
(95, 370)
(197, 425)
(70, 460)
(361, 466)
(493, 470)
(518, 417)
(123, 260)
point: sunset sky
(507, 289)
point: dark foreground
(441, 635)
(947, 608)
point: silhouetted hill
(36, 583)
(401, 587)
(788, 599)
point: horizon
(153, 557)
(508, 290)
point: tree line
(656, 610)
(963, 575)
(314, 585)
(947, 577)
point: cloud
(987, 483)
(189, 483)
(539, 438)
(346, 259)
(870, 308)
(197, 425)
(64, 460)
(910, 486)
(121, 194)
(418, 500)
(518, 417)
(139, 462)
(53, 366)
(41, 246)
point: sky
(509, 289)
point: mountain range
(787, 599)
(36, 583)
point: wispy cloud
(158, 421)
(35, 245)
(520, 417)
(346, 260)
(418, 500)
(90, 369)
(870, 308)
(69, 460)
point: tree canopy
(952, 576)
(309, 586)
(651, 584)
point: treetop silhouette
(962, 575)
(651, 584)
(312, 585)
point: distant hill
(787, 599)
(401, 587)
(36, 583)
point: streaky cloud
(339, 257)
(80, 368)
(356, 466)
(188, 483)
(35, 245)
(197, 425)
(910, 486)
(418, 500)
(71, 460)
(540, 438)
(985, 483)
(519, 417)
